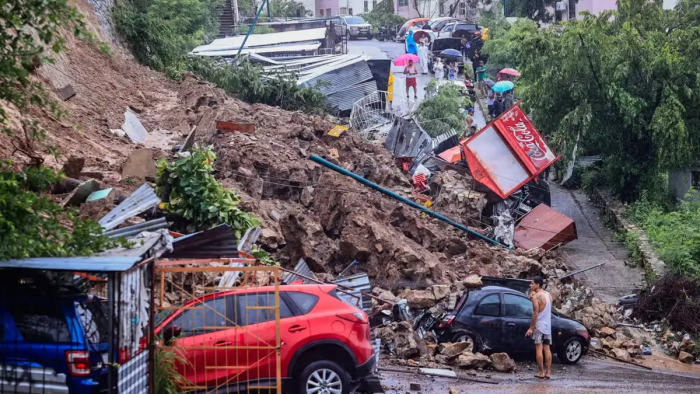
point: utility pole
(236, 16)
(268, 11)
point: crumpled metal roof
(140, 200)
(217, 242)
(344, 99)
(301, 268)
(360, 284)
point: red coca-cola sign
(515, 126)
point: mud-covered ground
(588, 376)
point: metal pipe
(581, 270)
(404, 200)
(252, 26)
(112, 360)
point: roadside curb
(613, 210)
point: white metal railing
(372, 116)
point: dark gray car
(495, 319)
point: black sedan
(495, 319)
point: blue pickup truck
(52, 344)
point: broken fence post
(404, 200)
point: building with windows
(326, 8)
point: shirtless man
(541, 327)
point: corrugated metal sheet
(140, 200)
(257, 40)
(217, 242)
(301, 268)
(341, 77)
(358, 65)
(544, 228)
(130, 231)
(309, 47)
(83, 264)
(133, 375)
(360, 284)
(229, 278)
(407, 139)
(344, 99)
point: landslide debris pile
(330, 220)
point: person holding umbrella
(490, 100)
(498, 105)
(423, 54)
(411, 72)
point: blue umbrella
(502, 86)
(451, 53)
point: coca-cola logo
(528, 141)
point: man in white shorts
(541, 327)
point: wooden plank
(245, 128)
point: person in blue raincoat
(411, 46)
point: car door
(206, 341)
(517, 315)
(260, 330)
(487, 315)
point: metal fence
(224, 339)
(373, 115)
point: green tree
(441, 112)
(287, 9)
(31, 225)
(622, 84)
(502, 46)
(383, 15)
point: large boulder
(441, 291)
(452, 350)
(622, 354)
(474, 361)
(420, 298)
(607, 331)
(685, 357)
(502, 363)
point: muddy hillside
(305, 209)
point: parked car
(440, 44)
(410, 24)
(52, 344)
(495, 319)
(323, 338)
(353, 26)
(437, 24)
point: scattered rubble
(685, 357)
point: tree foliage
(246, 81)
(442, 111)
(189, 190)
(502, 45)
(383, 15)
(625, 85)
(31, 225)
(161, 32)
(287, 9)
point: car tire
(323, 372)
(467, 336)
(571, 352)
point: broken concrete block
(622, 354)
(685, 357)
(81, 193)
(133, 128)
(441, 291)
(607, 331)
(453, 350)
(73, 166)
(470, 360)
(66, 92)
(307, 196)
(502, 363)
(473, 281)
(420, 298)
(140, 165)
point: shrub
(442, 111)
(188, 189)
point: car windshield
(466, 27)
(355, 20)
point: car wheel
(324, 377)
(571, 352)
(465, 336)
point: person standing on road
(439, 69)
(411, 72)
(411, 43)
(498, 105)
(541, 327)
(424, 58)
(490, 101)
(481, 72)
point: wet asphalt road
(589, 376)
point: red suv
(325, 343)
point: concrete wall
(595, 7)
(680, 181)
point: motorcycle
(383, 34)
